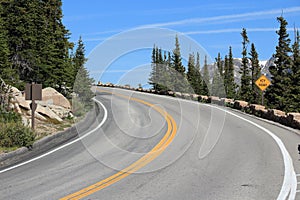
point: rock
(17, 108)
(60, 111)
(240, 104)
(258, 110)
(23, 103)
(195, 97)
(257, 107)
(48, 113)
(178, 94)
(294, 120)
(278, 113)
(51, 96)
(277, 116)
(186, 96)
(227, 102)
(39, 116)
(294, 116)
(215, 100)
(16, 92)
(203, 98)
(171, 93)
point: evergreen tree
(219, 65)
(179, 79)
(160, 75)
(226, 74)
(245, 92)
(206, 77)
(38, 42)
(177, 60)
(201, 87)
(255, 74)
(277, 93)
(153, 75)
(7, 73)
(295, 93)
(218, 83)
(83, 82)
(229, 80)
(191, 71)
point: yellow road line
(146, 159)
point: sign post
(262, 83)
(33, 92)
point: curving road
(154, 147)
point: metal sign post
(262, 83)
(33, 92)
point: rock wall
(287, 119)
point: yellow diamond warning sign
(263, 82)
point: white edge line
(289, 185)
(63, 146)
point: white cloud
(227, 18)
(232, 30)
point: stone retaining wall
(287, 119)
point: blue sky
(215, 25)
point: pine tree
(201, 87)
(218, 83)
(245, 92)
(7, 73)
(226, 74)
(295, 93)
(277, 94)
(206, 78)
(83, 82)
(153, 75)
(177, 60)
(230, 83)
(38, 42)
(219, 65)
(160, 74)
(255, 74)
(179, 79)
(192, 74)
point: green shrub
(80, 108)
(6, 117)
(15, 134)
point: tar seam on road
(146, 159)
(63, 146)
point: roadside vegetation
(35, 47)
(168, 73)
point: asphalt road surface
(150, 147)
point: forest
(168, 72)
(35, 47)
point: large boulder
(52, 97)
(54, 106)
(48, 113)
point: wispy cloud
(233, 30)
(227, 18)
(103, 32)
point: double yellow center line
(147, 158)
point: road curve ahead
(155, 147)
